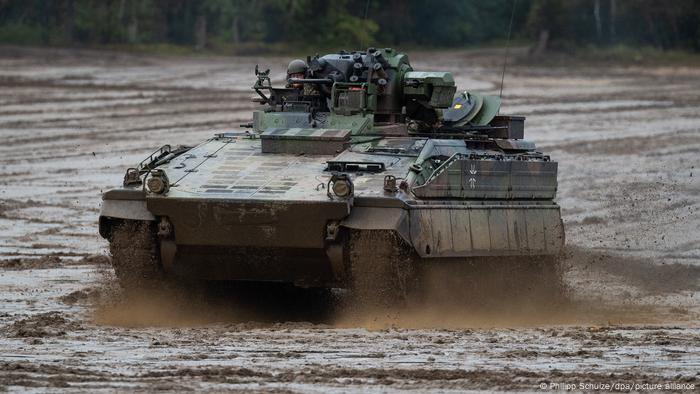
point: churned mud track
(628, 145)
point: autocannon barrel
(322, 81)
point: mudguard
(126, 205)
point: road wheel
(135, 255)
(382, 269)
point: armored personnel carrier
(354, 175)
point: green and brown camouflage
(363, 144)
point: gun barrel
(321, 81)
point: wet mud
(627, 141)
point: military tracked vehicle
(355, 174)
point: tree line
(213, 24)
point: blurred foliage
(216, 24)
(664, 25)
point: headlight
(158, 182)
(341, 188)
(341, 185)
(156, 185)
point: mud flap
(379, 218)
(122, 209)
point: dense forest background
(267, 24)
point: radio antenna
(362, 43)
(505, 57)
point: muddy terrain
(627, 140)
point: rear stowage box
(508, 127)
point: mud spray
(597, 289)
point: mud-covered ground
(628, 145)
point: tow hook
(165, 228)
(332, 231)
(168, 248)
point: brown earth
(627, 140)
